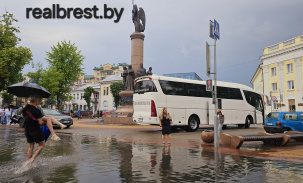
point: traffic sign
(211, 29)
(209, 85)
(216, 30)
(273, 98)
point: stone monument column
(137, 41)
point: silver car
(64, 119)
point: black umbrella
(27, 89)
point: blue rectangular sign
(216, 29)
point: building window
(74, 96)
(98, 74)
(106, 90)
(289, 68)
(290, 85)
(274, 86)
(273, 71)
(81, 96)
(77, 95)
(275, 105)
(98, 79)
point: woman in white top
(8, 113)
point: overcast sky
(176, 32)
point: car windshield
(51, 112)
(272, 115)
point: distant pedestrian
(220, 115)
(79, 114)
(8, 113)
(1, 115)
(165, 120)
(71, 113)
(98, 113)
(101, 113)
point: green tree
(87, 95)
(37, 75)
(7, 98)
(67, 60)
(12, 58)
(115, 88)
(50, 79)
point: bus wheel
(247, 122)
(193, 124)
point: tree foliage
(65, 59)
(115, 88)
(50, 80)
(87, 95)
(37, 75)
(7, 98)
(12, 58)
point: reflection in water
(93, 159)
(165, 168)
(125, 168)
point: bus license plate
(140, 119)
(65, 122)
(270, 124)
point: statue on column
(149, 72)
(141, 71)
(137, 16)
(130, 77)
(124, 74)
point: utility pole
(214, 34)
(216, 137)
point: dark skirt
(166, 130)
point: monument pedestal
(124, 113)
(137, 42)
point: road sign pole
(216, 137)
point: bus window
(254, 99)
(145, 86)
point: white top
(7, 112)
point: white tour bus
(190, 105)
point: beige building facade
(280, 75)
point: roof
(85, 86)
(98, 68)
(112, 78)
(122, 64)
(89, 76)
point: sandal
(163, 143)
(55, 137)
(63, 126)
(169, 143)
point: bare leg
(30, 150)
(168, 137)
(37, 152)
(163, 138)
(53, 120)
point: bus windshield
(254, 99)
(145, 86)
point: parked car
(280, 122)
(64, 119)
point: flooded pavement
(80, 158)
